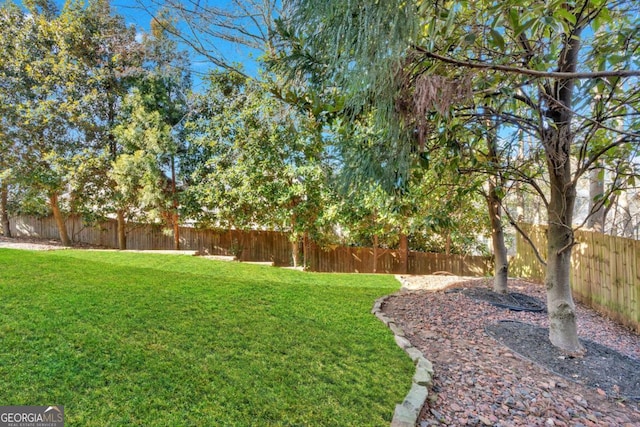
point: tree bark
(563, 331)
(404, 253)
(626, 223)
(494, 201)
(59, 218)
(4, 198)
(558, 140)
(175, 218)
(518, 187)
(295, 253)
(497, 238)
(596, 207)
(375, 253)
(176, 230)
(121, 229)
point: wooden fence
(345, 259)
(605, 271)
(260, 246)
(254, 245)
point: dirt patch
(515, 301)
(601, 368)
(30, 243)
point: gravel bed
(480, 381)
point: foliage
(255, 162)
(199, 341)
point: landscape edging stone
(406, 414)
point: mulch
(496, 367)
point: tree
(10, 22)
(256, 162)
(113, 56)
(44, 116)
(540, 58)
(148, 134)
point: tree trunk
(305, 250)
(404, 254)
(57, 215)
(295, 252)
(563, 331)
(596, 207)
(4, 198)
(375, 253)
(447, 245)
(495, 215)
(626, 223)
(518, 186)
(174, 215)
(497, 239)
(558, 141)
(176, 230)
(122, 230)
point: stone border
(406, 414)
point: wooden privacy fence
(605, 271)
(253, 245)
(345, 259)
(256, 245)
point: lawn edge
(406, 414)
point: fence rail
(262, 246)
(605, 271)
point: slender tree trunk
(447, 245)
(495, 215)
(176, 230)
(305, 250)
(295, 248)
(59, 218)
(596, 207)
(497, 238)
(375, 253)
(518, 187)
(174, 216)
(295, 252)
(122, 230)
(626, 223)
(4, 198)
(404, 253)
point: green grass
(148, 339)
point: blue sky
(139, 13)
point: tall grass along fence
(605, 271)
(258, 246)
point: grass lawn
(148, 339)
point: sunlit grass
(148, 339)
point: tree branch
(524, 235)
(525, 71)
